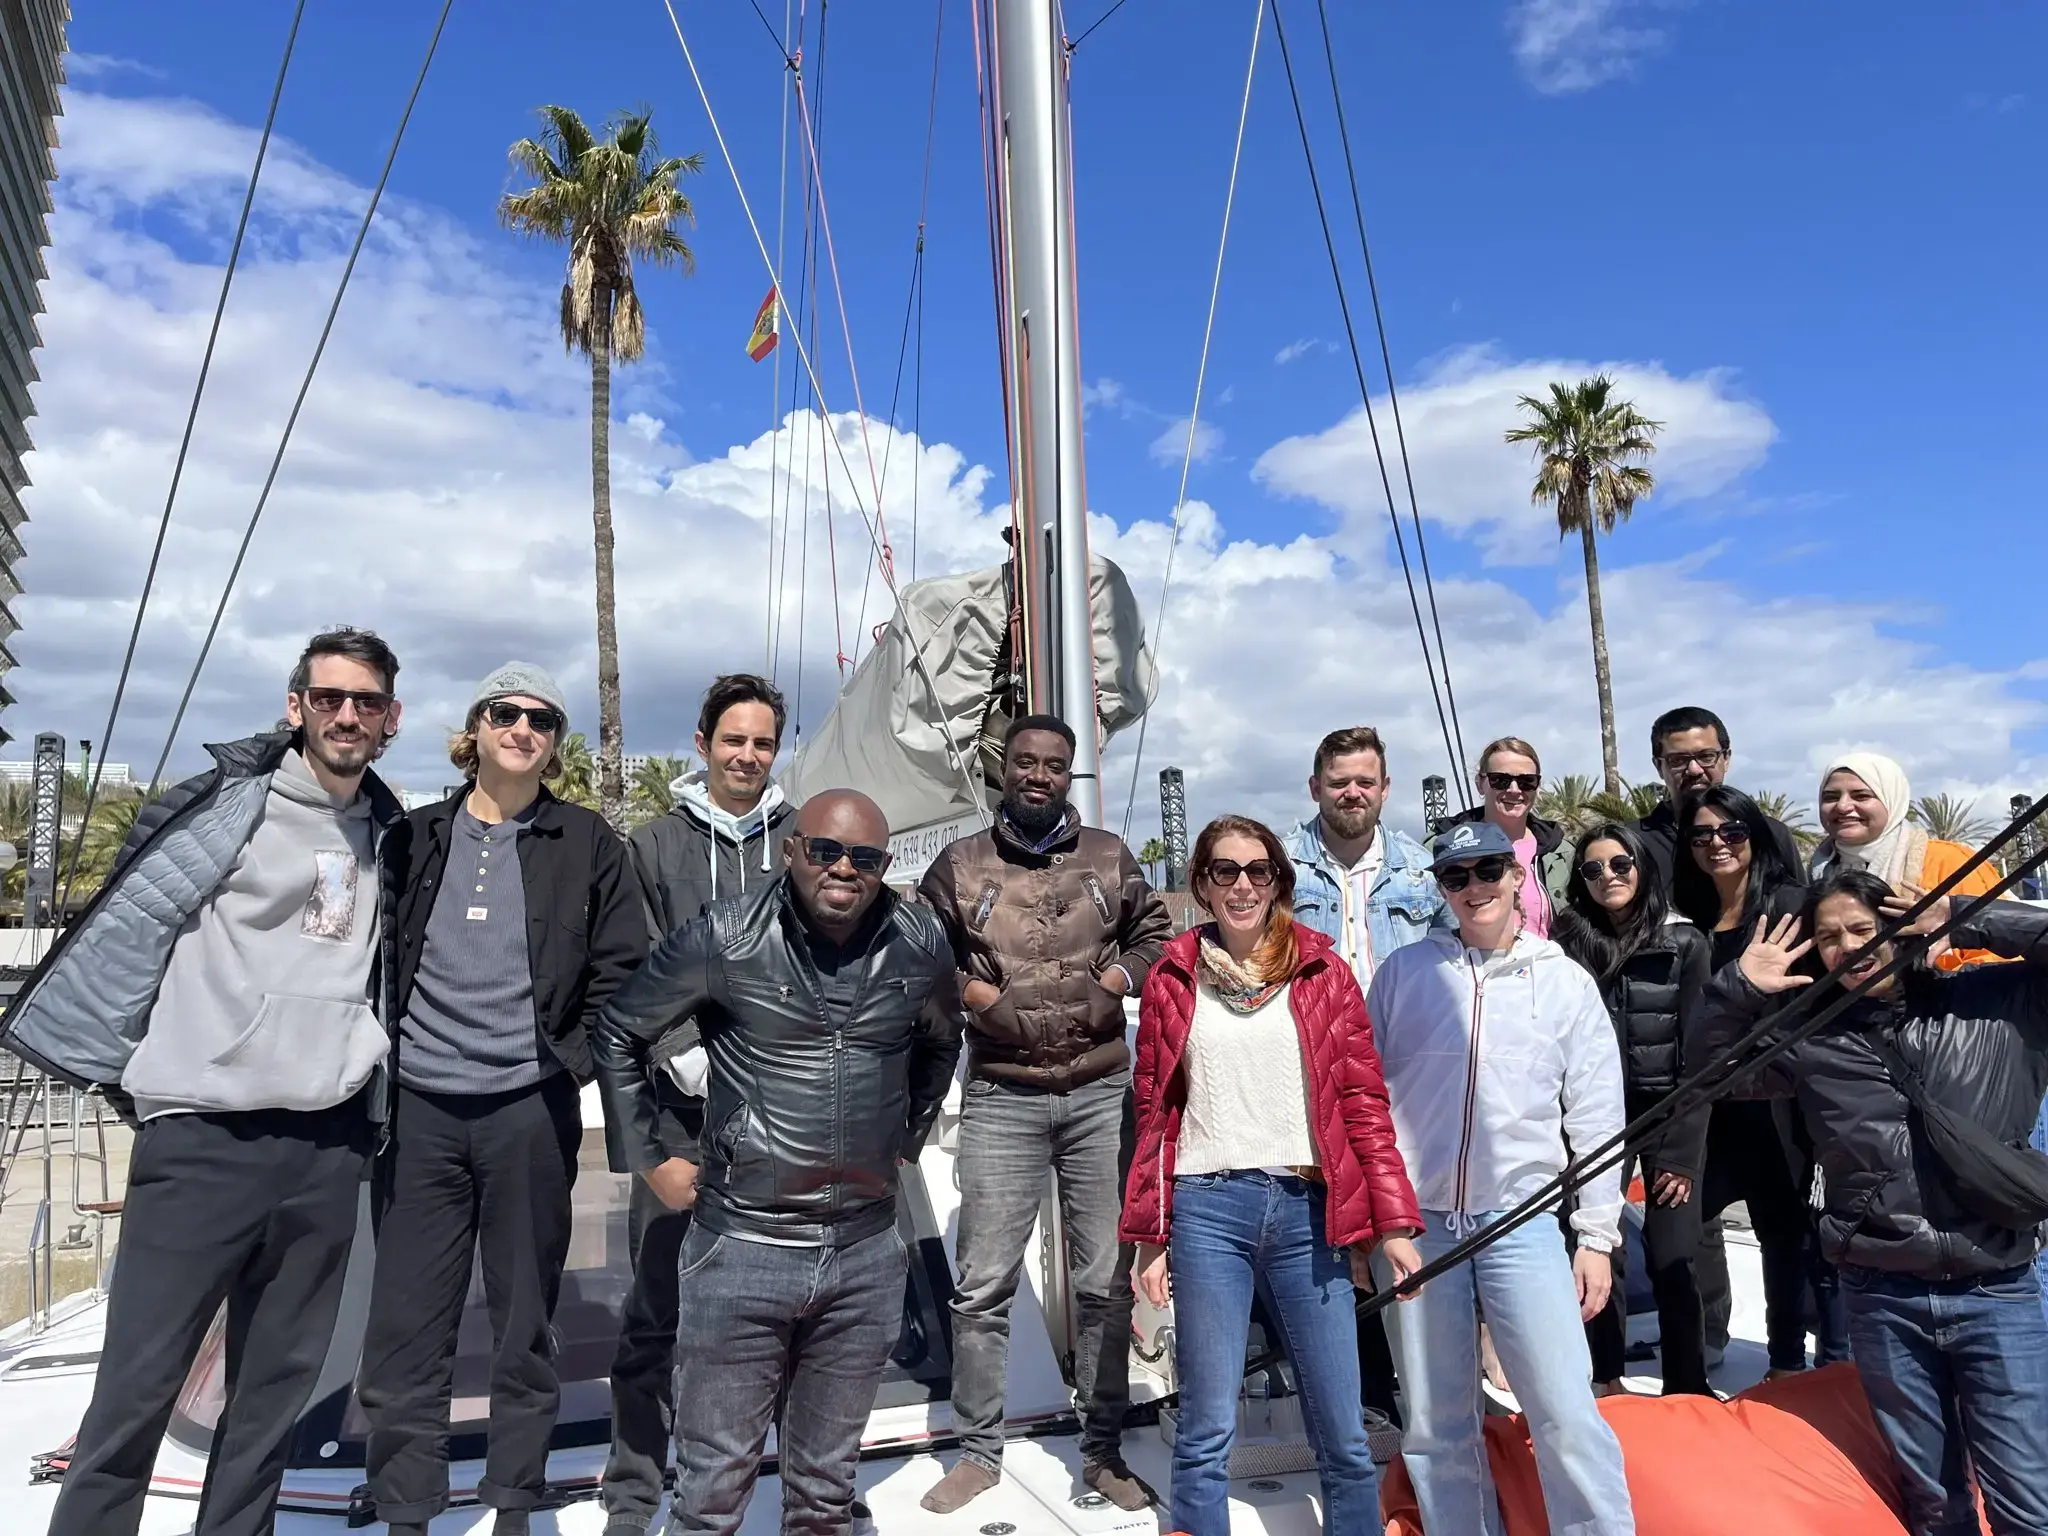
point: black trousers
(643, 1369)
(1748, 1160)
(257, 1210)
(468, 1176)
(1671, 1243)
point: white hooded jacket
(1493, 1062)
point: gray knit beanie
(519, 677)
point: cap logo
(1465, 836)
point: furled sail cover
(888, 736)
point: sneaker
(968, 1480)
(863, 1519)
(1119, 1484)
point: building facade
(31, 70)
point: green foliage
(1576, 802)
(649, 795)
(1586, 442)
(1793, 813)
(1950, 818)
(578, 783)
(1153, 857)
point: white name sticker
(478, 914)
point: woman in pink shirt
(1509, 778)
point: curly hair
(462, 750)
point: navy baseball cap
(1470, 840)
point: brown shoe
(1119, 1484)
(968, 1480)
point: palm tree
(1586, 444)
(1152, 856)
(1950, 818)
(578, 783)
(113, 818)
(650, 795)
(1566, 801)
(1780, 806)
(610, 201)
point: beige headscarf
(1887, 854)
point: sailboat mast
(1045, 381)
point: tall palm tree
(1587, 446)
(1153, 856)
(1950, 818)
(610, 200)
(1567, 802)
(1798, 820)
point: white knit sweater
(1247, 1104)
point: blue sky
(1818, 242)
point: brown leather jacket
(1043, 927)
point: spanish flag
(762, 342)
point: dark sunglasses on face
(1733, 833)
(328, 701)
(865, 858)
(1487, 871)
(1223, 873)
(1527, 783)
(504, 714)
(1618, 866)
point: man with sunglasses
(1052, 926)
(830, 1020)
(1690, 749)
(225, 988)
(517, 918)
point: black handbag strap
(1902, 1076)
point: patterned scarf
(1237, 987)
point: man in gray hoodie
(723, 838)
(226, 980)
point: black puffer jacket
(806, 1113)
(1978, 1038)
(1654, 1000)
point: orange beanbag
(1798, 1457)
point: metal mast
(1043, 327)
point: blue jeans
(1953, 1369)
(1232, 1232)
(1524, 1285)
(2040, 1141)
(756, 1321)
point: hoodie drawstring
(1461, 1224)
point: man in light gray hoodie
(227, 981)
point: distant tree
(1588, 444)
(1780, 806)
(1567, 802)
(578, 783)
(1153, 857)
(650, 795)
(1950, 818)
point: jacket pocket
(297, 1053)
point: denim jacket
(1403, 906)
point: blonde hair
(1513, 744)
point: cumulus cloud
(437, 490)
(1473, 482)
(1203, 439)
(1564, 46)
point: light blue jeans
(2040, 1139)
(1523, 1284)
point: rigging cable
(798, 384)
(775, 295)
(305, 386)
(1180, 499)
(1394, 402)
(1365, 395)
(804, 355)
(163, 526)
(1089, 30)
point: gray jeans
(757, 1321)
(1009, 1137)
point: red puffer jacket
(1368, 1196)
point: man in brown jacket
(1052, 926)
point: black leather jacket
(806, 1113)
(1979, 1039)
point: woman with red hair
(1265, 1144)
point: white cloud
(1173, 445)
(438, 490)
(1294, 351)
(1564, 46)
(1470, 479)
(94, 66)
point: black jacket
(683, 866)
(1978, 1038)
(1654, 1000)
(585, 932)
(806, 1115)
(1659, 832)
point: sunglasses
(865, 858)
(504, 714)
(1733, 833)
(328, 701)
(1223, 873)
(1619, 866)
(1487, 871)
(1527, 783)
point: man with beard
(1052, 926)
(1689, 747)
(1365, 885)
(229, 984)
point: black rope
(305, 387)
(163, 526)
(1394, 401)
(1089, 31)
(1365, 394)
(788, 58)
